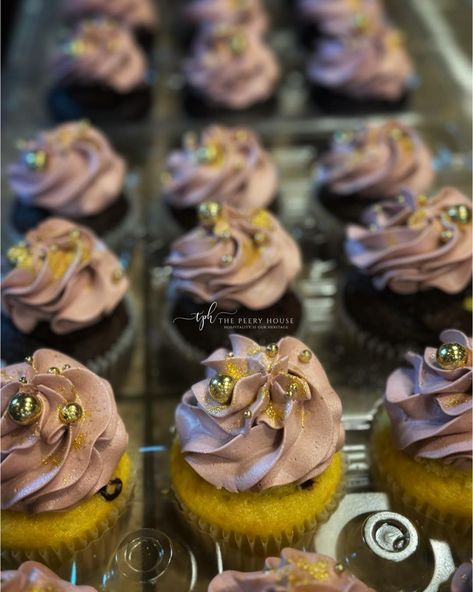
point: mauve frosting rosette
(226, 165)
(294, 571)
(232, 67)
(248, 14)
(63, 275)
(341, 18)
(374, 66)
(463, 578)
(414, 244)
(70, 450)
(134, 13)
(430, 407)
(261, 437)
(240, 259)
(32, 576)
(70, 170)
(100, 51)
(376, 161)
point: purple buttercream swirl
(412, 244)
(374, 66)
(431, 408)
(133, 13)
(294, 571)
(262, 437)
(376, 161)
(227, 165)
(51, 465)
(249, 14)
(35, 577)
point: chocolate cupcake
(232, 273)
(338, 18)
(139, 15)
(362, 74)
(99, 73)
(374, 163)
(411, 273)
(67, 291)
(70, 171)
(231, 69)
(226, 165)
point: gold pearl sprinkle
(24, 408)
(54, 370)
(260, 238)
(117, 275)
(339, 567)
(29, 360)
(208, 212)
(74, 234)
(70, 413)
(446, 236)
(229, 354)
(23, 379)
(451, 356)
(66, 367)
(305, 356)
(226, 260)
(460, 214)
(272, 350)
(247, 413)
(221, 388)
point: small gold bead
(260, 238)
(54, 370)
(272, 350)
(24, 408)
(305, 356)
(70, 413)
(247, 413)
(22, 379)
(229, 354)
(221, 388)
(29, 360)
(339, 567)
(74, 234)
(66, 367)
(208, 212)
(451, 356)
(422, 200)
(446, 236)
(226, 260)
(118, 275)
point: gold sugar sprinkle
(78, 441)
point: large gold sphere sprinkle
(272, 350)
(70, 413)
(221, 388)
(209, 212)
(460, 214)
(451, 356)
(305, 356)
(24, 408)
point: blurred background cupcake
(225, 165)
(140, 16)
(372, 163)
(73, 172)
(32, 575)
(230, 69)
(257, 464)
(67, 291)
(236, 265)
(462, 580)
(411, 275)
(363, 74)
(99, 73)
(293, 570)
(65, 474)
(421, 443)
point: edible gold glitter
(454, 399)
(319, 570)
(52, 459)
(78, 441)
(236, 369)
(262, 219)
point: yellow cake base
(57, 535)
(432, 488)
(278, 514)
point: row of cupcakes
(257, 462)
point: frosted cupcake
(376, 162)
(422, 446)
(139, 15)
(257, 463)
(225, 165)
(65, 474)
(35, 576)
(99, 73)
(462, 580)
(236, 269)
(411, 273)
(70, 171)
(67, 291)
(368, 73)
(230, 69)
(294, 570)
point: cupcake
(462, 579)
(411, 273)
(225, 165)
(257, 463)
(230, 69)
(371, 72)
(421, 442)
(339, 18)
(375, 162)
(99, 73)
(32, 576)
(66, 476)
(70, 171)
(294, 570)
(233, 272)
(66, 291)
(139, 15)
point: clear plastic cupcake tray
(387, 549)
